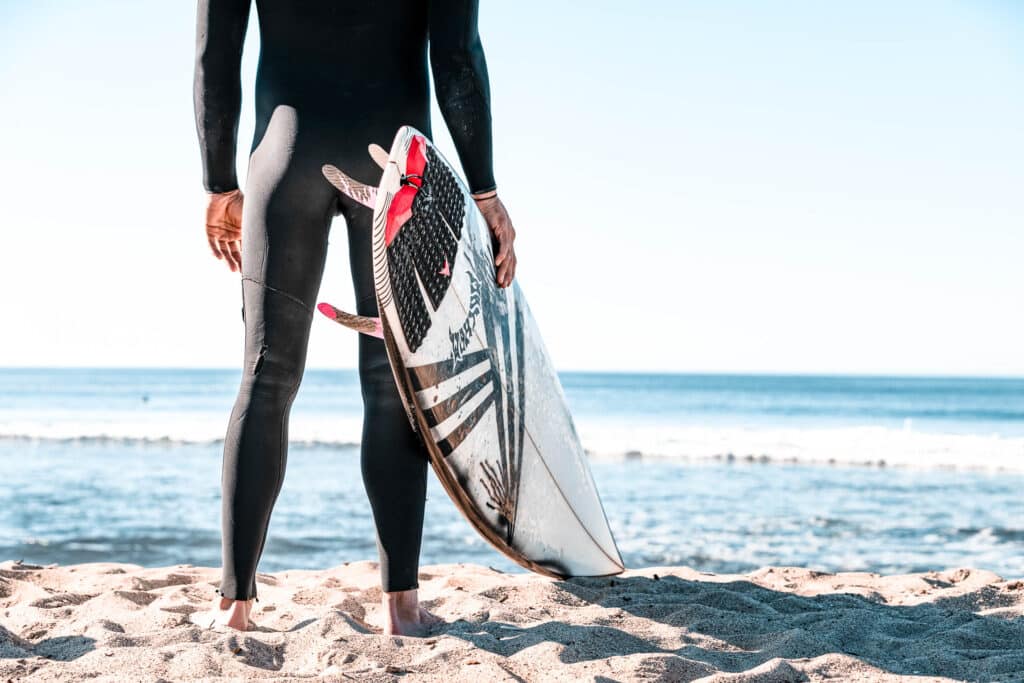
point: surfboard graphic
(473, 371)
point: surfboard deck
(473, 372)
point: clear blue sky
(706, 186)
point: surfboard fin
(360, 323)
(379, 156)
(352, 188)
(355, 190)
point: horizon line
(687, 373)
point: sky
(784, 187)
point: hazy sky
(698, 186)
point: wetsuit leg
(286, 219)
(393, 458)
(286, 222)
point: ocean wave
(864, 446)
(171, 429)
(868, 446)
(113, 440)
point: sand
(123, 622)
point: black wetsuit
(334, 76)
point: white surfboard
(473, 371)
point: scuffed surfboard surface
(475, 376)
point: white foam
(173, 428)
(866, 445)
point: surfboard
(472, 369)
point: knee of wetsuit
(277, 332)
(273, 372)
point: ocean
(724, 473)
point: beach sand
(121, 622)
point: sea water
(717, 472)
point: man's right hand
(224, 227)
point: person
(333, 77)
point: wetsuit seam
(291, 297)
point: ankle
(404, 604)
(225, 603)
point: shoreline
(115, 621)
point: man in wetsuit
(334, 76)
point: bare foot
(233, 613)
(403, 615)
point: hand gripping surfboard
(472, 368)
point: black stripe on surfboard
(440, 412)
(432, 374)
(459, 434)
(497, 331)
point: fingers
(501, 277)
(505, 260)
(227, 250)
(233, 253)
(215, 247)
(499, 272)
(504, 248)
(506, 272)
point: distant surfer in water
(334, 76)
